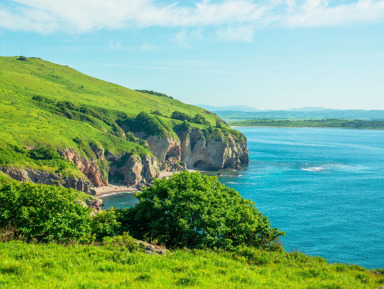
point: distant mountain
(228, 107)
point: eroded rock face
(164, 147)
(193, 150)
(135, 170)
(41, 177)
(89, 168)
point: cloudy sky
(270, 54)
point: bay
(323, 187)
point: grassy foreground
(86, 266)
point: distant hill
(302, 114)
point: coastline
(106, 190)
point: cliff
(194, 149)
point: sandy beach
(100, 191)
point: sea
(323, 187)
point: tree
(197, 211)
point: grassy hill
(42, 103)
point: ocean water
(323, 187)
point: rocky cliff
(42, 177)
(194, 149)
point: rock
(94, 204)
(136, 170)
(42, 177)
(89, 168)
(164, 147)
(152, 249)
(193, 149)
(215, 154)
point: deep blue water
(323, 187)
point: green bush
(180, 116)
(197, 211)
(41, 212)
(44, 153)
(105, 224)
(199, 119)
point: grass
(42, 103)
(86, 266)
(332, 123)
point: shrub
(22, 58)
(44, 153)
(105, 224)
(42, 212)
(197, 211)
(180, 116)
(199, 119)
(148, 124)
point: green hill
(45, 105)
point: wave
(331, 166)
(115, 193)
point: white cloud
(232, 19)
(241, 33)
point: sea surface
(323, 187)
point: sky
(269, 54)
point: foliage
(44, 153)
(180, 116)
(199, 119)
(22, 58)
(42, 212)
(105, 224)
(114, 266)
(196, 211)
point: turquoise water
(323, 187)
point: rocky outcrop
(89, 168)
(194, 150)
(133, 170)
(212, 154)
(164, 147)
(42, 177)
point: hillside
(99, 131)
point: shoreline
(111, 188)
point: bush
(148, 124)
(199, 119)
(105, 224)
(180, 116)
(22, 58)
(44, 153)
(41, 212)
(197, 211)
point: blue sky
(271, 54)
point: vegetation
(45, 104)
(335, 123)
(98, 253)
(111, 266)
(197, 211)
